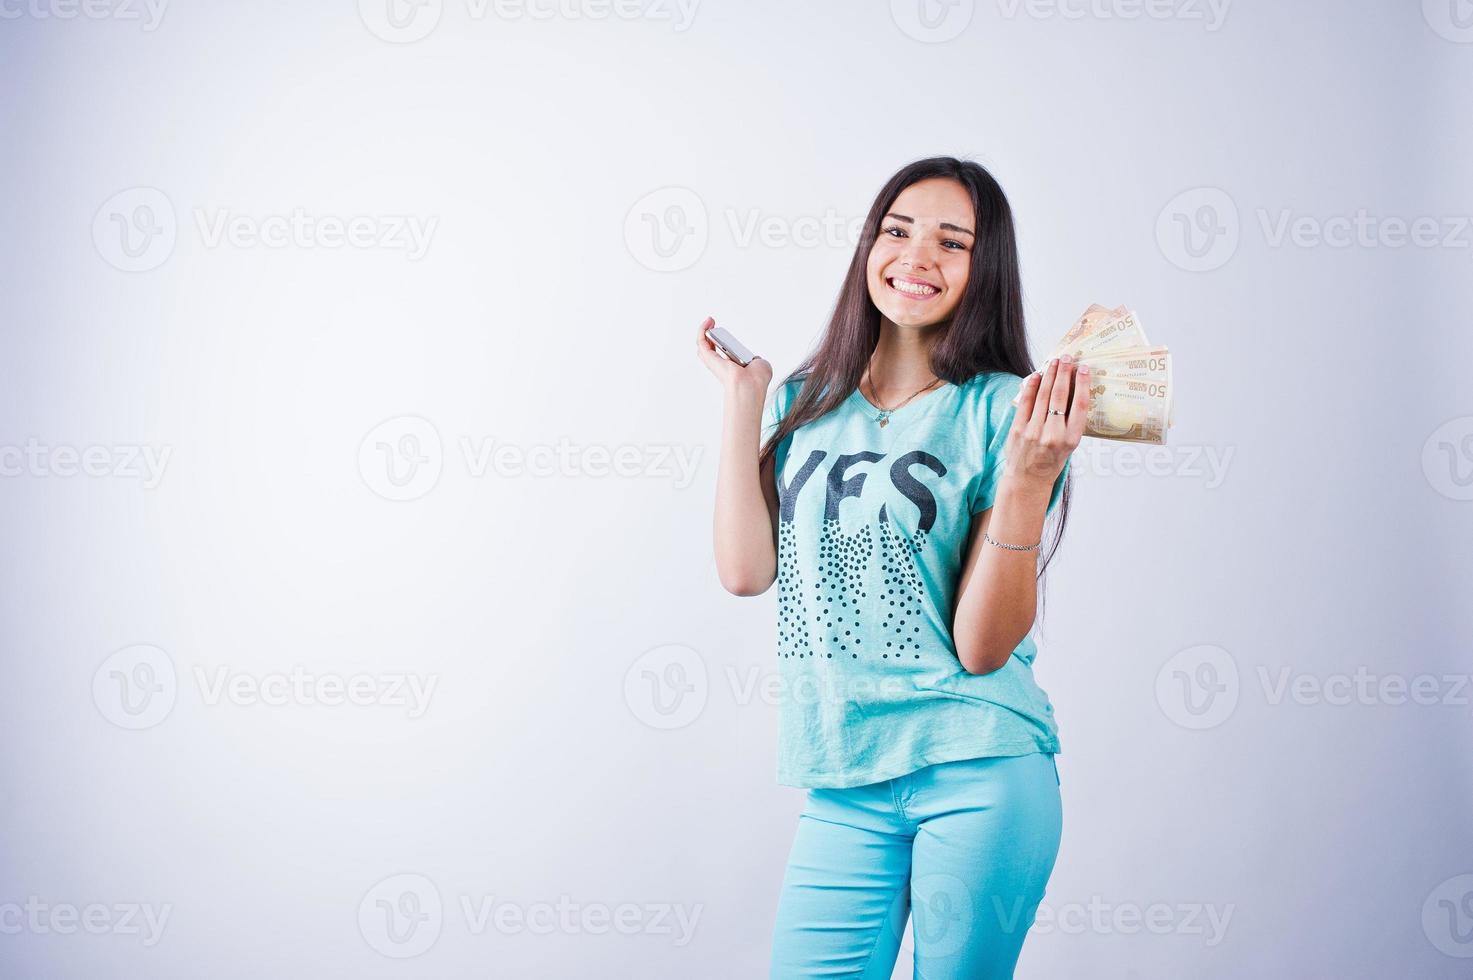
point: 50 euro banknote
(1130, 383)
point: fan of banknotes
(1129, 377)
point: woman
(899, 502)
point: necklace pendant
(883, 418)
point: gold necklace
(884, 413)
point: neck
(902, 360)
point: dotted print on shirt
(792, 607)
(903, 587)
(827, 612)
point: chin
(902, 317)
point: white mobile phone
(729, 345)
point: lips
(912, 288)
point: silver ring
(1056, 411)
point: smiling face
(917, 270)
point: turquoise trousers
(964, 848)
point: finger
(1059, 397)
(705, 348)
(1027, 392)
(1079, 411)
(1041, 398)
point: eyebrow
(945, 225)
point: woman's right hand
(755, 377)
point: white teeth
(914, 288)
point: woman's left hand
(1048, 424)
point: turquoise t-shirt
(872, 535)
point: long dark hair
(986, 333)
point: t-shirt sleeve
(1000, 411)
(772, 415)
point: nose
(914, 262)
(915, 255)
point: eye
(952, 241)
(899, 232)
